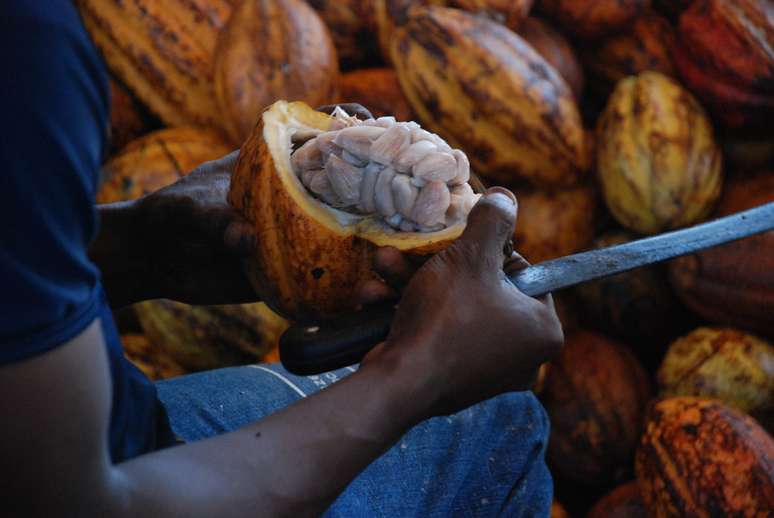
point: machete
(342, 341)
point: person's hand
(461, 325)
(195, 239)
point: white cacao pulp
(407, 175)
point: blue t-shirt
(54, 101)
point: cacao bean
(320, 185)
(463, 169)
(383, 193)
(432, 202)
(308, 156)
(345, 179)
(404, 194)
(436, 167)
(413, 154)
(368, 187)
(358, 139)
(390, 144)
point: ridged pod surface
(733, 284)
(720, 363)
(162, 51)
(644, 45)
(310, 257)
(509, 12)
(714, 34)
(352, 26)
(153, 361)
(592, 18)
(270, 50)
(129, 119)
(488, 92)
(555, 49)
(657, 158)
(595, 394)
(156, 160)
(209, 337)
(378, 90)
(555, 223)
(701, 458)
(624, 501)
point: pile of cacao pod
(610, 120)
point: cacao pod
(657, 159)
(558, 511)
(595, 394)
(209, 337)
(555, 49)
(592, 18)
(129, 119)
(488, 92)
(624, 501)
(158, 159)
(555, 223)
(509, 12)
(154, 362)
(310, 256)
(733, 284)
(626, 305)
(714, 34)
(270, 50)
(748, 154)
(701, 458)
(644, 45)
(163, 52)
(378, 90)
(351, 24)
(671, 8)
(721, 363)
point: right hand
(462, 326)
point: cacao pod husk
(209, 337)
(592, 18)
(511, 13)
(555, 49)
(163, 52)
(671, 8)
(714, 35)
(657, 158)
(351, 24)
(646, 44)
(378, 90)
(471, 80)
(558, 511)
(595, 394)
(270, 50)
(624, 501)
(129, 119)
(746, 155)
(310, 257)
(555, 223)
(153, 361)
(733, 284)
(732, 366)
(156, 160)
(701, 458)
(626, 305)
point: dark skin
(461, 335)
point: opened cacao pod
(270, 50)
(699, 457)
(322, 192)
(658, 162)
(555, 49)
(644, 45)
(163, 52)
(624, 501)
(487, 91)
(721, 363)
(592, 18)
(733, 284)
(378, 90)
(595, 394)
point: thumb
(490, 226)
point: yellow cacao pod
(162, 51)
(310, 256)
(270, 50)
(555, 49)
(488, 92)
(721, 363)
(153, 361)
(657, 159)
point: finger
(393, 266)
(374, 292)
(240, 239)
(490, 226)
(358, 110)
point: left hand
(196, 240)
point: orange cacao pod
(153, 361)
(595, 394)
(351, 24)
(624, 501)
(378, 90)
(701, 458)
(129, 119)
(555, 49)
(592, 18)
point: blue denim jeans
(485, 461)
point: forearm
(123, 262)
(292, 463)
